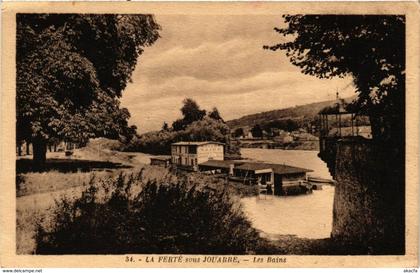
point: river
(298, 158)
(306, 216)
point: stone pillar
(368, 210)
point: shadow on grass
(66, 165)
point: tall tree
(191, 112)
(207, 129)
(165, 126)
(214, 114)
(71, 71)
(239, 132)
(370, 48)
(256, 131)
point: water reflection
(306, 216)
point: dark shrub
(174, 217)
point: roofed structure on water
(253, 166)
(161, 157)
(279, 176)
(277, 168)
(214, 164)
(161, 160)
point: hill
(302, 114)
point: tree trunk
(19, 149)
(377, 127)
(27, 147)
(39, 148)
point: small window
(192, 150)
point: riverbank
(37, 192)
(270, 144)
(235, 188)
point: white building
(190, 154)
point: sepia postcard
(209, 134)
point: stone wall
(368, 212)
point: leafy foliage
(191, 112)
(165, 216)
(71, 70)
(214, 114)
(156, 142)
(238, 132)
(165, 126)
(286, 125)
(159, 142)
(369, 48)
(257, 131)
(207, 129)
(194, 126)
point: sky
(219, 62)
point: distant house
(189, 154)
(249, 135)
(284, 137)
(307, 137)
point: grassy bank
(42, 195)
(136, 214)
(38, 194)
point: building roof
(254, 166)
(277, 168)
(161, 157)
(196, 143)
(222, 164)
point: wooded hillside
(302, 114)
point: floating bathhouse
(280, 177)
